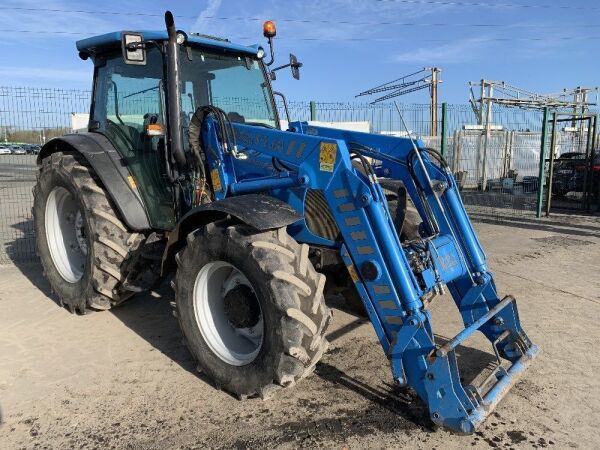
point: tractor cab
(147, 89)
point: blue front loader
(392, 278)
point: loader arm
(392, 278)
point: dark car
(569, 173)
(32, 149)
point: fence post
(594, 140)
(488, 123)
(543, 147)
(551, 164)
(444, 129)
(313, 110)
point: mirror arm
(281, 67)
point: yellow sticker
(132, 182)
(327, 156)
(216, 180)
(352, 273)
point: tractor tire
(81, 242)
(251, 308)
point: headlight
(260, 53)
(181, 37)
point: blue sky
(346, 46)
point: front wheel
(251, 308)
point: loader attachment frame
(391, 278)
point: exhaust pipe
(173, 95)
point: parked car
(5, 150)
(569, 173)
(18, 150)
(30, 148)
(35, 149)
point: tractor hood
(106, 41)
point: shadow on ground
(22, 254)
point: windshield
(234, 83)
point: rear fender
(262, 212)
(110, 168)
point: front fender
(262, 212)
(99, 152)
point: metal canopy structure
(502, 93)
(428, 77)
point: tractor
(185, 174)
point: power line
(491, 5)
(333, 39)
(308, 21)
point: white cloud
(211, 9)
(25, 16)
(451, 53)
(322, 19)
(21, 74)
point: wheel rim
(237, 345)
(65, 234)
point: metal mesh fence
(27, 116)
(498, 174)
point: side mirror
(133, 48)
(295, 66)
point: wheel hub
(228, 313)
(65, 234)
(241, 307)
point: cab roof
(97, 44)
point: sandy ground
(123, 379)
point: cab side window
(127, 98)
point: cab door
(128, 98)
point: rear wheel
(81, 242)
(251, 308)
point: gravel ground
(122, 379)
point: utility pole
(481, 101)
(480, 138)
(576, 96)
(488, 124)
(434, 100)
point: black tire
(110, 244)
(290, 294)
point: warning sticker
(216, 180)
(327, 156)
(352, 273)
